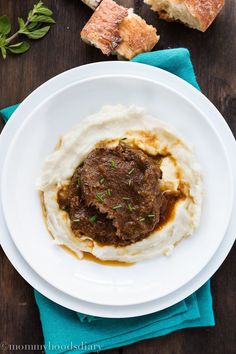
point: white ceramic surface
(161, 75)
(86, 280)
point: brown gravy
(169, 214)
(90, 257)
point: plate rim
(213, 109)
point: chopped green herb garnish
(141, 219)
(117, 206)
(151, 216)
(93, 218)
(99, 197)
(101, 180)
(130, 207)
(113, 163)
(76, 220)
(123, 138)
(131, 171)
(109, 192)
(79, 182)
(129, 182)
(126, 198)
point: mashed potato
(180, 171)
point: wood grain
(213, 54)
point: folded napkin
(66, 331)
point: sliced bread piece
(198, 14)
(102, 29)
(137, 36)
(116, 30)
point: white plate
(129, 311)
(86, 280)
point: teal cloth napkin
(66, 331)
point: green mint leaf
(4, 52)
(18, 48)
(42, 18)
(38, 33)
(21, 23)
(3, 41)
(43, 10)
(33, 25)
(36, 7)
(5, 26)
(30, 14)
(39, 4)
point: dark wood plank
(213, 54)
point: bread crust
(102, 29)
(137, 37)
(203, 11)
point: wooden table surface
(214, 57)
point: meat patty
(85, 220)
(114, 197)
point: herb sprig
(113, 163)
(93, 218)
(102, 179)
(130, 207)
(131, 171)
(109, 192)
(100, 196)
(33, 28)
(76, 220)
(117, 207)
